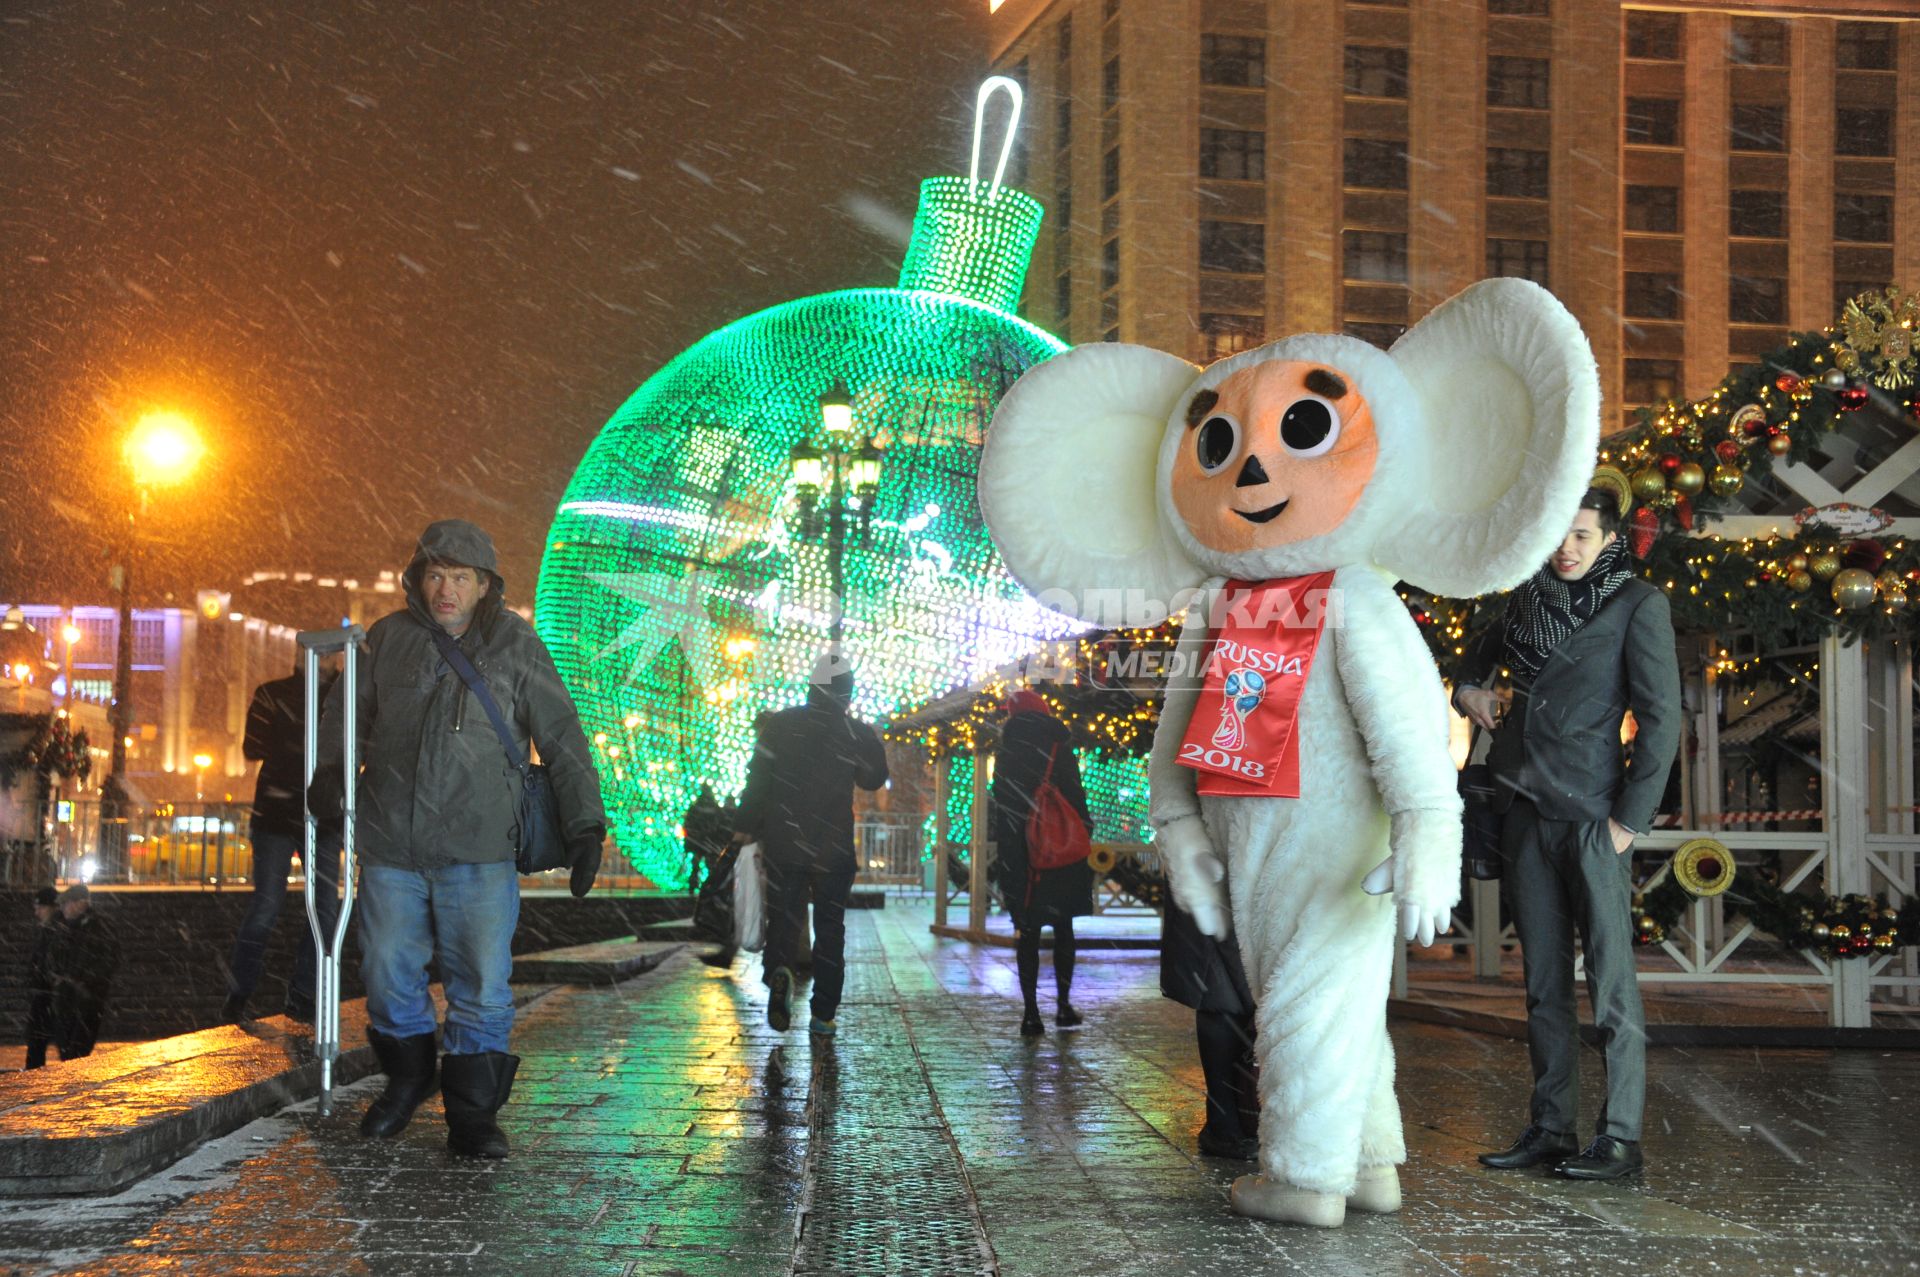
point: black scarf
(1545, 610)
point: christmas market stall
(1781, 515)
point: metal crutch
(326, 968)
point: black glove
(327, 796)
(585, 854)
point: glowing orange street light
(163, 449)
(200, 764)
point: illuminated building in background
(1694, 181)
(677, 594)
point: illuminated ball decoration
(677, 593)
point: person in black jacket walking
(799, 804)
(1587, 641)
(86, 953)
(276, 738)
(1034, 745)
(46, 934)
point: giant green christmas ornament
(683, 590)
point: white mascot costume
(1276, 497)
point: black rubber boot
(408, 1064)
(474, 1087)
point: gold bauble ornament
(1883, 941)
(1689, 478)
(1895, 599)
(1799, 582)
(1853, 589)
(1819, 931)
(1781, 444)
(1703, 867)
(1727, 480)
(1823, 565)
(1648, 483)
(1798, 563)
(1840, 931)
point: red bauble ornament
(1755, 427)
(1726, 450)
(1853, 398)
(1765, 575)
(1669, 464)
(1864, 553)
(1788, 384)
(1683, 512)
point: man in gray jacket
(436, 829)
(1585, 640)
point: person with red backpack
(1041, 827)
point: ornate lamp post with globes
(841, 471)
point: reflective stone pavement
(662, 1128)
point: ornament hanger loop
(988, 88)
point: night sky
(401, 262)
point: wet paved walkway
(662, 1128)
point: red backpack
(1056, 836)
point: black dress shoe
(1067, 1018)
(1536, 1146)
(1232, 1146)
(1030, 1025)
(1605, 1158)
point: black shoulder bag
(539, 844)
(1480, 823)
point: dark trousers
(1565, 880)
(76, 1023)
(272, 859)
(790, 886)
(39, 1027)
(1231, 1072)
(1026, 952)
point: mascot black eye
(1310, 427)
(1217, 442)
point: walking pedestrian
(799, 804)
(86, 953)
(436, 828)
(46, 934)
(1203, 973)
(276, 739)
(1587, 641)
(1035, 747)
(704, 836)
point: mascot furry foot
(1377, 1191)
(1262, 1198)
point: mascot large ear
(1511, 396)
(1067, 482)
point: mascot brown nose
(1252, 474)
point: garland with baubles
(54, 748)
(1685, 463)
(1852, 926)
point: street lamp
(161, 450)
(845, 469)
(200, 764)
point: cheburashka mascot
(1276, 497)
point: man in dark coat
(46, 934)
(86, 953)
(799, 805)
(436, 828)
(704, 834)
(1587, 641)
(276, 738)
(1034, 745)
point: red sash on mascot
(1241, 738)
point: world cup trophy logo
(1243, 690)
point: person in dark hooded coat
(1203, 973)
(799, 804)
(1033, 746)
(435, 828)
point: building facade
(1694, 182)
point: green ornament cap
(974, 238)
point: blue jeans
(462, 915)
(272, 858)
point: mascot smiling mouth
(1267, 515)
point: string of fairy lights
(678, 592)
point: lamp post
(162, 450)
(842, 470)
